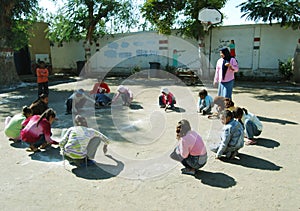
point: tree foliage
(16, 17)
(89, 19)
(166, 15)
(285, 12)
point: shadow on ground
(268, 143)
(19, 144)
(215, 179)
(249, 161)
(176, 109)
(279, 121)
(136, 107)
(286, 97)
(99, 171)
(51, 154)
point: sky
(231, 13)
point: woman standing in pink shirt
(224, 75)
(191, 150)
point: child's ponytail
(47, 114)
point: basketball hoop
(209, 17)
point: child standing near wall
(42, 74)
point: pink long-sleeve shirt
(191, 144)
(31, 132)
(230, 72)
(123, 90)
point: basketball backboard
(211, 16)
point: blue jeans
(251, 129)
(102, 98)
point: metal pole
(209, 55)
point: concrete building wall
(39, 45)
(258, 48)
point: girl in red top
(166, 99)
(37, 130)
(42, 74)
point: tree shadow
(51, 154)
(215, 179)
(249, 161)
(279, 121)
(286, 97)
(99, 171)
(268, 143)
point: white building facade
(258, 48)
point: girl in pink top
(126, 94)
(191, 150)
(37, 130)
(224, 75)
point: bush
(135, 69)
(286, 68)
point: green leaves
(285, 12)
(89, 19)
(16, 19)
(167, 15)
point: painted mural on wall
(144, 48)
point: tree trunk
(8, 73)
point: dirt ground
(138, 174)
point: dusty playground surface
(138, 174)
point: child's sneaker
(32, 149)
(44, 145)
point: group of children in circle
(80, 142)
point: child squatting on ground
(79, 143)
(126, 94)
(166, 99)
(37, 130)
(76, 101)
(205, 102)
(232, 138)
(100, 92)
(191, 150)
(253, 126)
(13, 125)
(40, 105)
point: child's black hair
(47, 114)
(228, 103)
(26, 110)
(203, 92)
(227, 113)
